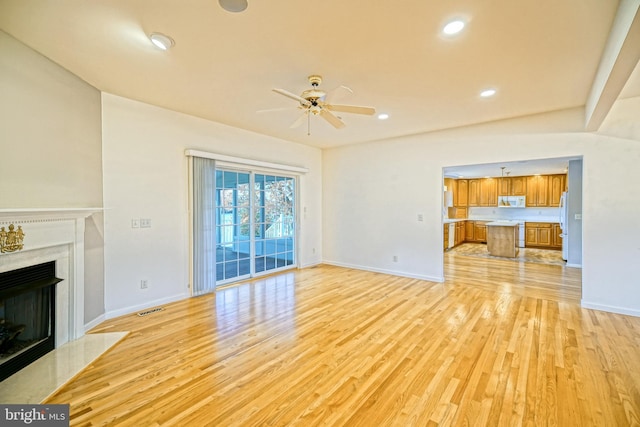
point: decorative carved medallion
(12, 240)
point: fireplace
(53, 236)
(27, 316)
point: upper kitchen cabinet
(512, 186)
(538, 191)
(504, 186)
(489, 192)
(483, 192)
(557, 185)
(461, 193)
(474, 192)
(518, 186)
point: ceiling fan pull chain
(308, 124)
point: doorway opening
(541, 200)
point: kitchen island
(502, 238)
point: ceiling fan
(314, 102)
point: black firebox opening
(27, 316)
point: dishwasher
(452, 235)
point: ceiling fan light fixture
(161, 41)
(233, 6)
(383, 116)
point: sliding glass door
(274, 201)
(255, 224)
(233, 206)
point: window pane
(260, 264)
(260, 247)
(231, 269)
(230, 179)
(244, 266)
(270, 246)
(270, 263)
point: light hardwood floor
(335, 346)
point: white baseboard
(310, 264)
(573, 265)
(148, 304)
(95, 322)
(610, 308)
(390, 272)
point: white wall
(50, 143)
(145, 176)
(374, 192)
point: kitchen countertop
(543, 219)
(450, 220)
(503, 223)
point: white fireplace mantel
(54, 234)
(46, 213)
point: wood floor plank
(335, 346)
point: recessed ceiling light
(383, 116)
(488, 93)
(233, 5)
(453, 27)
(161, 41)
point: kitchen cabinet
(538, 191)
(460, 232)
(480, 231)
(446, 236)
(461, 193)
(504, 186)
(488, 192)
(537, 234)
(518, 186)
(468, 230)
(475, 231)
(556, 240)
(557, 185)
(474, 192)
(512, 186)
(483, 192)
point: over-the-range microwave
(512, 201)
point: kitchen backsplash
(528, 214)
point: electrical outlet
(135, 223)
(144, 284)
(420, 217)
(395, 258)
(145, 223)
(578, 216)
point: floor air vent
(153, 310)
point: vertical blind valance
(222, 159)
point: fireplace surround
(27, 316)
(53, 236)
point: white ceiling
(540, 56)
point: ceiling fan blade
(292, 96)
(336, 91)
(351, 109)
(331, 118)
(299, 120)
